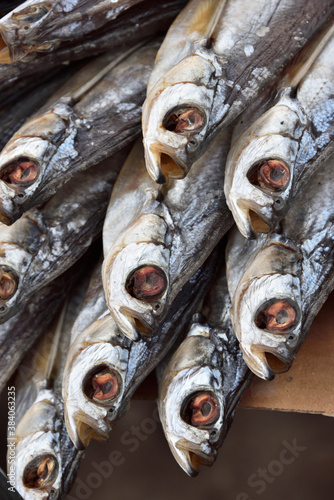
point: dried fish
(92, 117)
(272, 161)
(226, 68)
(202, 384)
(48, 240)
(45, 460)
(104, 367)
(53, 25)
(279, 282)
(156, 238)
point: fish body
(162, 237)
(279, 281)
(94, 115)
(202, 384)
(48, 240)
(225, 71)
(104, 368)
(270, 164)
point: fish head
(266, 314)
(176, 116)
(38, 458)
(94, 380)
(136, 277)
(259, 171)
(18, 246)
(191, 402)
(20, 28)
(25, 159)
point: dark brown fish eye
(8, 284)
(21, 172)
(41, 472)
(202, 410)
(273, 174)
(184, 120)
(32, 14)
(147, 283)
(105, 385)
(277, 317)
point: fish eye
(8, 283)
(22, 172)
(184, 120)
(147, 283)
(201, 410)
(278, 316)
(272, 174)
(41, 472)
(102, 385)
(32, 14)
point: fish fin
(55, 339)
(300, 65)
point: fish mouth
(250, 221)
(194, 457)
(163, 166)
(82, 429)
(5, 55)
(264, 362)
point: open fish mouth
(264, 362)
(194, 457)
(5, 55)
(250, 221)
(162, 166)
(82, 429)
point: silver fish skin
(93, 116)
(206, 90)
(291, 140)
(36, 26)
(46, 460)
(279, 282)
(207, 368)
(48, 240)
(162, 235)
(102, 350)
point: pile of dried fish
(226, 87)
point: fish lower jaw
(194, 457)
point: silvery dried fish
(104, 367)
(226, 69)
(48, 240)
(93, 116)
(202, 384)
(279, 282)
(155, 238)
(45, 458)
(270, 164)
(37, 26)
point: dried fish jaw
(98, 347)
(142, 246)
(37, 433)
(250, 301)
(190, 445)
(168, 96)
(36, 144)
(273, 137)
